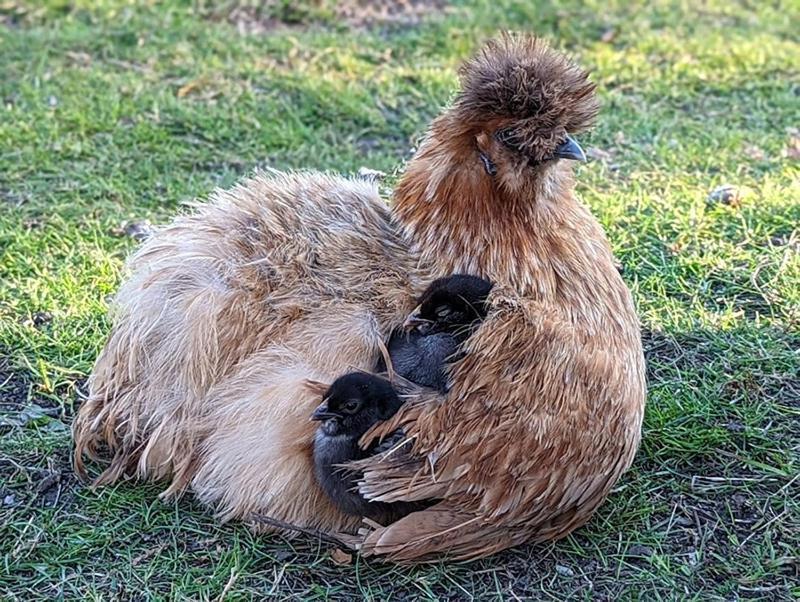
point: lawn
(116, 114)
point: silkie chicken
(228, 312)
(224, 317)
(448, 312)
(546, 406)
(351, 406)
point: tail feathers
(110, 432)
(97, 436)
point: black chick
(352, 404)
(448, 312)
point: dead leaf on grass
(792, 150)
(754, 152)
(598, 154)
(341, 558)
(608, 35)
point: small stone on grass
(727, 194)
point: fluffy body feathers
(225, 315)
(546, 407)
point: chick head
(450, 304)
(355, 402)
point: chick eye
(350, 406)
(442, 311)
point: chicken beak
(569, 149)
(321, 413)
(413, 321)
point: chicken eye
(351, 406)
(443, 311)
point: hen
(546, 406)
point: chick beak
(414, 322)
(569, 149)
(321, 413)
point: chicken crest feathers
(535, 93)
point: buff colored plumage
(224, 315)
(546, 407)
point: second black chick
(352, 404)
(448, 312)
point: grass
(115, 112)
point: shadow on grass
(709, 507)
